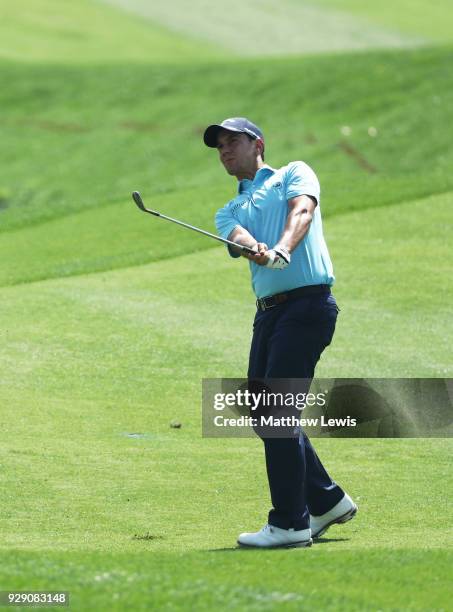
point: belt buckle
(264, 305)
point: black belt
(279, 298)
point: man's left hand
(277, 258)
(262, 254)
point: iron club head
(138, 200)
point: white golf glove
(279, 258)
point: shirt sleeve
(226, 221)
(301, 180)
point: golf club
(138, 200)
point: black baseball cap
(234, 124)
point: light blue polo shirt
(261, 207)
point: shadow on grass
(251, 548)
(327, 540)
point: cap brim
(211, 133)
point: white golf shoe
(344, 511)
(274, 537)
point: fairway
(112, 318)
(270, 28)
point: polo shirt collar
(246, 184)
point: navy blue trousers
(287, 343)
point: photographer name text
(286, 421)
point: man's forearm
(243, 237)
(296, 228)
(297, 223)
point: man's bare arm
(301, 209)
(243, 237)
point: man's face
(237, 152)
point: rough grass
(73, 138)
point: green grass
(378, 580)
(86, 31)
(108, 31)
(267, 28)
(111, 318)
(390, 266)
(408, 16)
(88, 359)
(72, 138)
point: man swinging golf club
(277, 214)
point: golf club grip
(247, 250)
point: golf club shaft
(137, 199)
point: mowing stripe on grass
(90, 241)
(319, 579)
(264, 27)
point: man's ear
(260, 147)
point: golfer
(277, 213)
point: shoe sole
(350, 514)
(303, 544)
